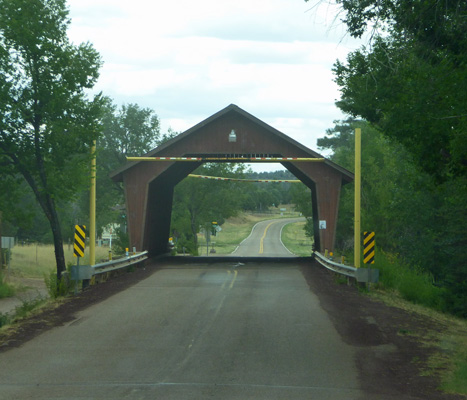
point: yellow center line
(261, 242)
(225, 282)
(233, 280)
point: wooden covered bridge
(231, 134)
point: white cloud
(188, 60)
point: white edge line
(251, 233)
(280, 237)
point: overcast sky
(187, 60)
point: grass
(294, 238)
(6, 290)
(37, 260)
(22, 311)
(409, 288)
(447, 342)
(412, 284)
(454, 344)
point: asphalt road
(265, 240)
(253, 332)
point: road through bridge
(265, 240)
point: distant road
(265, 240)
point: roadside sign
(368, 247)
(8, 242)
(80, 241)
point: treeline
(419, 222)
(128, 130)
(24, 220)
(199, 202)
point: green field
(293, 237)
(37, 260)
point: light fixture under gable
(232, 136)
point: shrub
(411, 282)
(6, 290)
(58, 288)
(27, 306)
(4, 319)
(121, 243)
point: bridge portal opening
(215, 208)
(150, 182)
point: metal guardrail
(335, 267)
(86, 272)
(360, 274)
(119, 263)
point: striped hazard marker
(80, 240)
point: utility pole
(92, 208)
(357, 202)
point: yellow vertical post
(92, 208)
(358, 185)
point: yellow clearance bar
(233, 159)
(220, 178)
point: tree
(421, 222)
(130, 130)
(260, 196)
(47, 122)
(415, 101)
(338, 138)
(409, 84)
(410, 81)
(200, 201)
(394, 191)
(301, 197)
(432, 23)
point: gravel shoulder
(392, 354)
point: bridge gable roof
(178, 146)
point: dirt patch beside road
(391, 357)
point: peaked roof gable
(232, 108)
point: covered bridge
(230, 133)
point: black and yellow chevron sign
(368, 247)
(80, 240)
